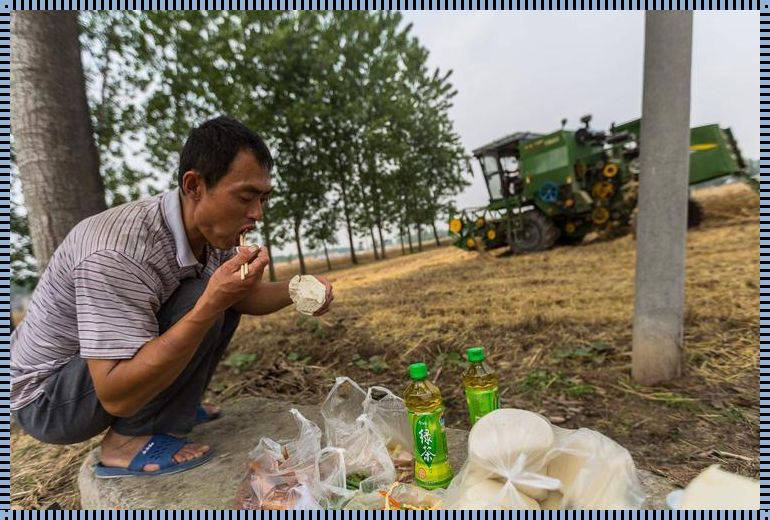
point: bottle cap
(475, 354)
(418, 371)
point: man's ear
(192, 184)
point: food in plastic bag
(505, 466)
(477, 488)
(398, 496)
(715, 488)
(552, 501)
(366, 427)
(294, 473)
(388, 414)
(595, 472)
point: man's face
(235, 203)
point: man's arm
(125, 386)
(271, 297)
(268, 297)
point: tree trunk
(435, 234)
(346, 211)
(382, 242)
(268, 245)
(401, 237)
(374, 243)
(376, 204)
(409, 237)
(298, 242)
(328, 262)
(419, 238)
(55, 152)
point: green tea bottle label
(481, 402)
(431, 464)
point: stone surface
(214, 485)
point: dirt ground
(556, 326)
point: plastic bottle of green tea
(480, 384)
(426, 417)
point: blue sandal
(203, 416)
(160, 450)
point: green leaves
(357, 123)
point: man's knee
(52, 429)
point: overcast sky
(517, 71)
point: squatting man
(138, 304)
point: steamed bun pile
(518, 460)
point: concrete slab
(214, 485)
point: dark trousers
(68, 411)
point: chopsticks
(244, 267)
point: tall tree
(55, 152)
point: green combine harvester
(564, 185)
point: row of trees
(357, 122)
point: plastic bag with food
(398, 496)
(506, 462)
(367, 461)
(594, 472)
(389, 416)
(293, 473)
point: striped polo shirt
(101, 292)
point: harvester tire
(539, 233)
(694, 213)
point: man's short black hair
(212, 147)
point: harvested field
(556, 325)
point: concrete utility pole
(661, 232)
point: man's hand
(225, 287)
(329, 296)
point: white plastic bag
(390, 419)
(398, 496)
(594, 471)
(294, 473)
(368, 464)
(506, 461)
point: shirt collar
(172, 213)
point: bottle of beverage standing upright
(480, 384)
(426, 417)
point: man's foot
(205, 412)
(117, 451)
(211, 409)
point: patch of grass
(312, 325)
(578, 389)
(451, 360)
(376, 364)
(593, 352)
(296, 357)
(737, 415)
(540, 380)
(239, 362)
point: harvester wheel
(539, 233)
(694, 213)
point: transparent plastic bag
(594, 471)
(389, 417)
(398, 496)
(506, 462)
(367, 461)
(293, 474)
